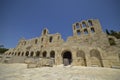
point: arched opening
(37, 53)
(50, 39)
(90, 23)
(77, 25)
(58, 37)
(84, 24)
(81, 58)
(31, 54)
(52, 54)
(18, 53)
(22, 54)
(27, 53)
(67, 58)
(96, 58)
(92, 30)
(36, 41)
(44, 54)
(78, 32)
(10, 53)
(41, 39)
(44, 32)
(85, 31)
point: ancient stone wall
(89, 46)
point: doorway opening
(67, 58)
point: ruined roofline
(45, 31)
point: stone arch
(90, 23)
(78, 32)
(9, 53)
(18, 53)
(77, 25)
(31, 54)
(44, 32)
(96, 58)
(84, 24)
(51, 39)
(36, 41)
(85, 31)
(81, 58)
(44, 54)
(27, 53)
(52, 54)
(38, 54)
(12, 53)
(67, 57)
(92, 30)
(22, 54)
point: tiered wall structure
(89, 46)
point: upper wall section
(86, 27)
(45, 39)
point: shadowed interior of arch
(67, 58)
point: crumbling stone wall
(89, 46)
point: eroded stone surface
(89, 46)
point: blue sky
(27, 18)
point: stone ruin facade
(89, 46)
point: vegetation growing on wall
(113, 33)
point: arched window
(80, 53)
(85, 31)
(27, 53)
(36, 41)
(18, 53)
(44, 32)
(22, 54)
(32, 53)
(41, 39)
(78, 32)
(50, 39)
(52, 54)
(44, 54)
(84, 24)
(9, 53)
(96, 58)
(92, 30)
(58, 37)
(37, 53)
(90, 23)
(77, 25)
(94, 53)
